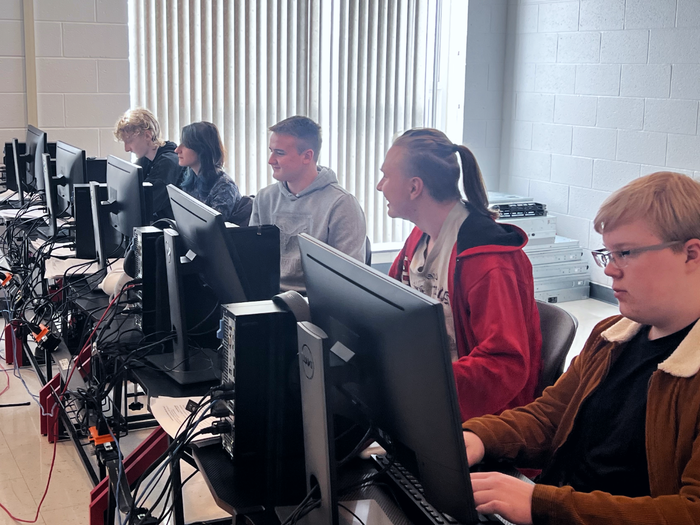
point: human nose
(380, 184)
(272, 159)
(611, 269)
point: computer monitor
(404, 371)
(19, 162)
(129, 203)
(205, 245)
(71, 169)
(126, 198)
(37, 145)
(9, 161)
(60, 175)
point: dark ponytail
(473, 182)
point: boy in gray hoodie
(306, 199)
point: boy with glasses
(617, 436)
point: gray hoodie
(324, 210)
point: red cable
(8, 380)
(55, 443)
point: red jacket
(497, 325)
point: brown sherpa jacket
(531, 435)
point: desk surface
(233, 494)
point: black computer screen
(126, 198)
(71, 169)
(37, 145)
(405, 373)
(203, 233)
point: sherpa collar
(683, 362)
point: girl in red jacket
(459, 255)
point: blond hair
(136, 122)
(669, 202)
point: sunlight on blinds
(362, 69)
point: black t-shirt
(606, 448)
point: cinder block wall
(82, 71)
(598, 92)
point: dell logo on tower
(307, 361)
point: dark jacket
(533, 435)
(220, 192)
(161, 171)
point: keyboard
(412, 499)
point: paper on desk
(31, 213)
(55, 268)
(8, 196)
(170, 413)
(59, 249)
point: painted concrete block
(671, 116)
(645, 80)
(645, 14)
(609, 175)
(620, 112)
(558, 17)
(598, 79)
(644, 147)
(624, 47)
(578, 110)
(555, 78)
(552, 138)
(597, 15)
(579, 48)
(596, 143)
(574, 171)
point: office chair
(558, 330)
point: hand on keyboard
(496, 493)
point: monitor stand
(319, 438)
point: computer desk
(231, 493)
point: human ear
(692, 252)
(415, 187)
(308, 156)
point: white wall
(82, 71)
(483, 101)
(598, 92)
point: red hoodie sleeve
(494, 324)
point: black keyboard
(412, 499)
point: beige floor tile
(9, 469)
(16, 497)
(76, 515)
(69, 487)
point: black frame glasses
(621, 258)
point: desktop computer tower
(259, 347)
(149, 261)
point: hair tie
(455, 148)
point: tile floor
(25, 455)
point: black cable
(351, 512)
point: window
(363, 69)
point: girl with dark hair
(202, 153)
(459, 255)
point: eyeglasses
(621, 258)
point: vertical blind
(362, 69)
